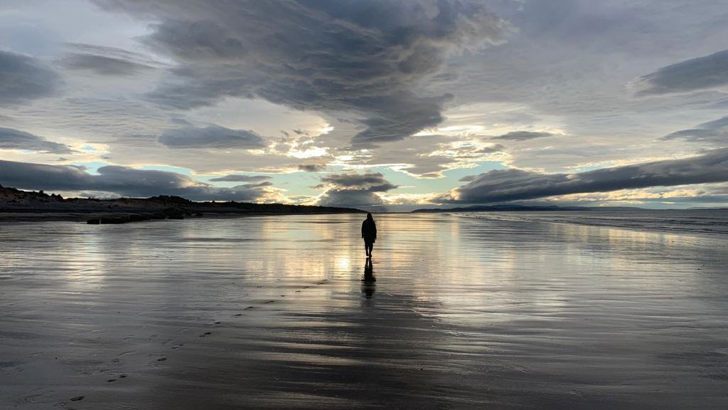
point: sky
(376, 104)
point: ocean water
(677, 221)
(492, 310)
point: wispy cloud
(211, 137)
(689, 75)
(713, 131)
(16, 139)
(241, 178)
(522, 135)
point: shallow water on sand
(271, 312)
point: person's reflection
(367, 286)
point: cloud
(464, 150)
(713, 131)
(689, 75)
(373, 182)
(16, 139)
(241, 178)
(350, 198)
(354, 189)
(120, 180)
(513, 184)
(23, 79)
(211, 137)
(367, 58)
(311, 167)
(103, 65)
(522, 135)
(196, 40)
(429, 155)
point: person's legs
(366, 247)
(369, 247)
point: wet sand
(270, 312)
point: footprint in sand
(237, 315)
(110, 380)
(206, 334)
(217, 322)
(269, 301)
(249, 307)
(77, 398)
(161, 359)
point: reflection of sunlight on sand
(492, 276)
(343, 263)
(84, 261)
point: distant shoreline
(10, 216)
(25, 206)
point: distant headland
(19, 205)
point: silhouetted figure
(369, 233)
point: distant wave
(688, 221)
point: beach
(495, 310)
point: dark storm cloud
(23, 78)
(522, 135)
(713, 131)
(241, 178)
(512, 184)
(695, 74)
(16, 139)
(363, 57)
(120, 180)
(211, 137)
(354, 189)
(103, 65)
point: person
(369, 233)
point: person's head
(369, 215)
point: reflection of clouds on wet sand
(277, 311)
